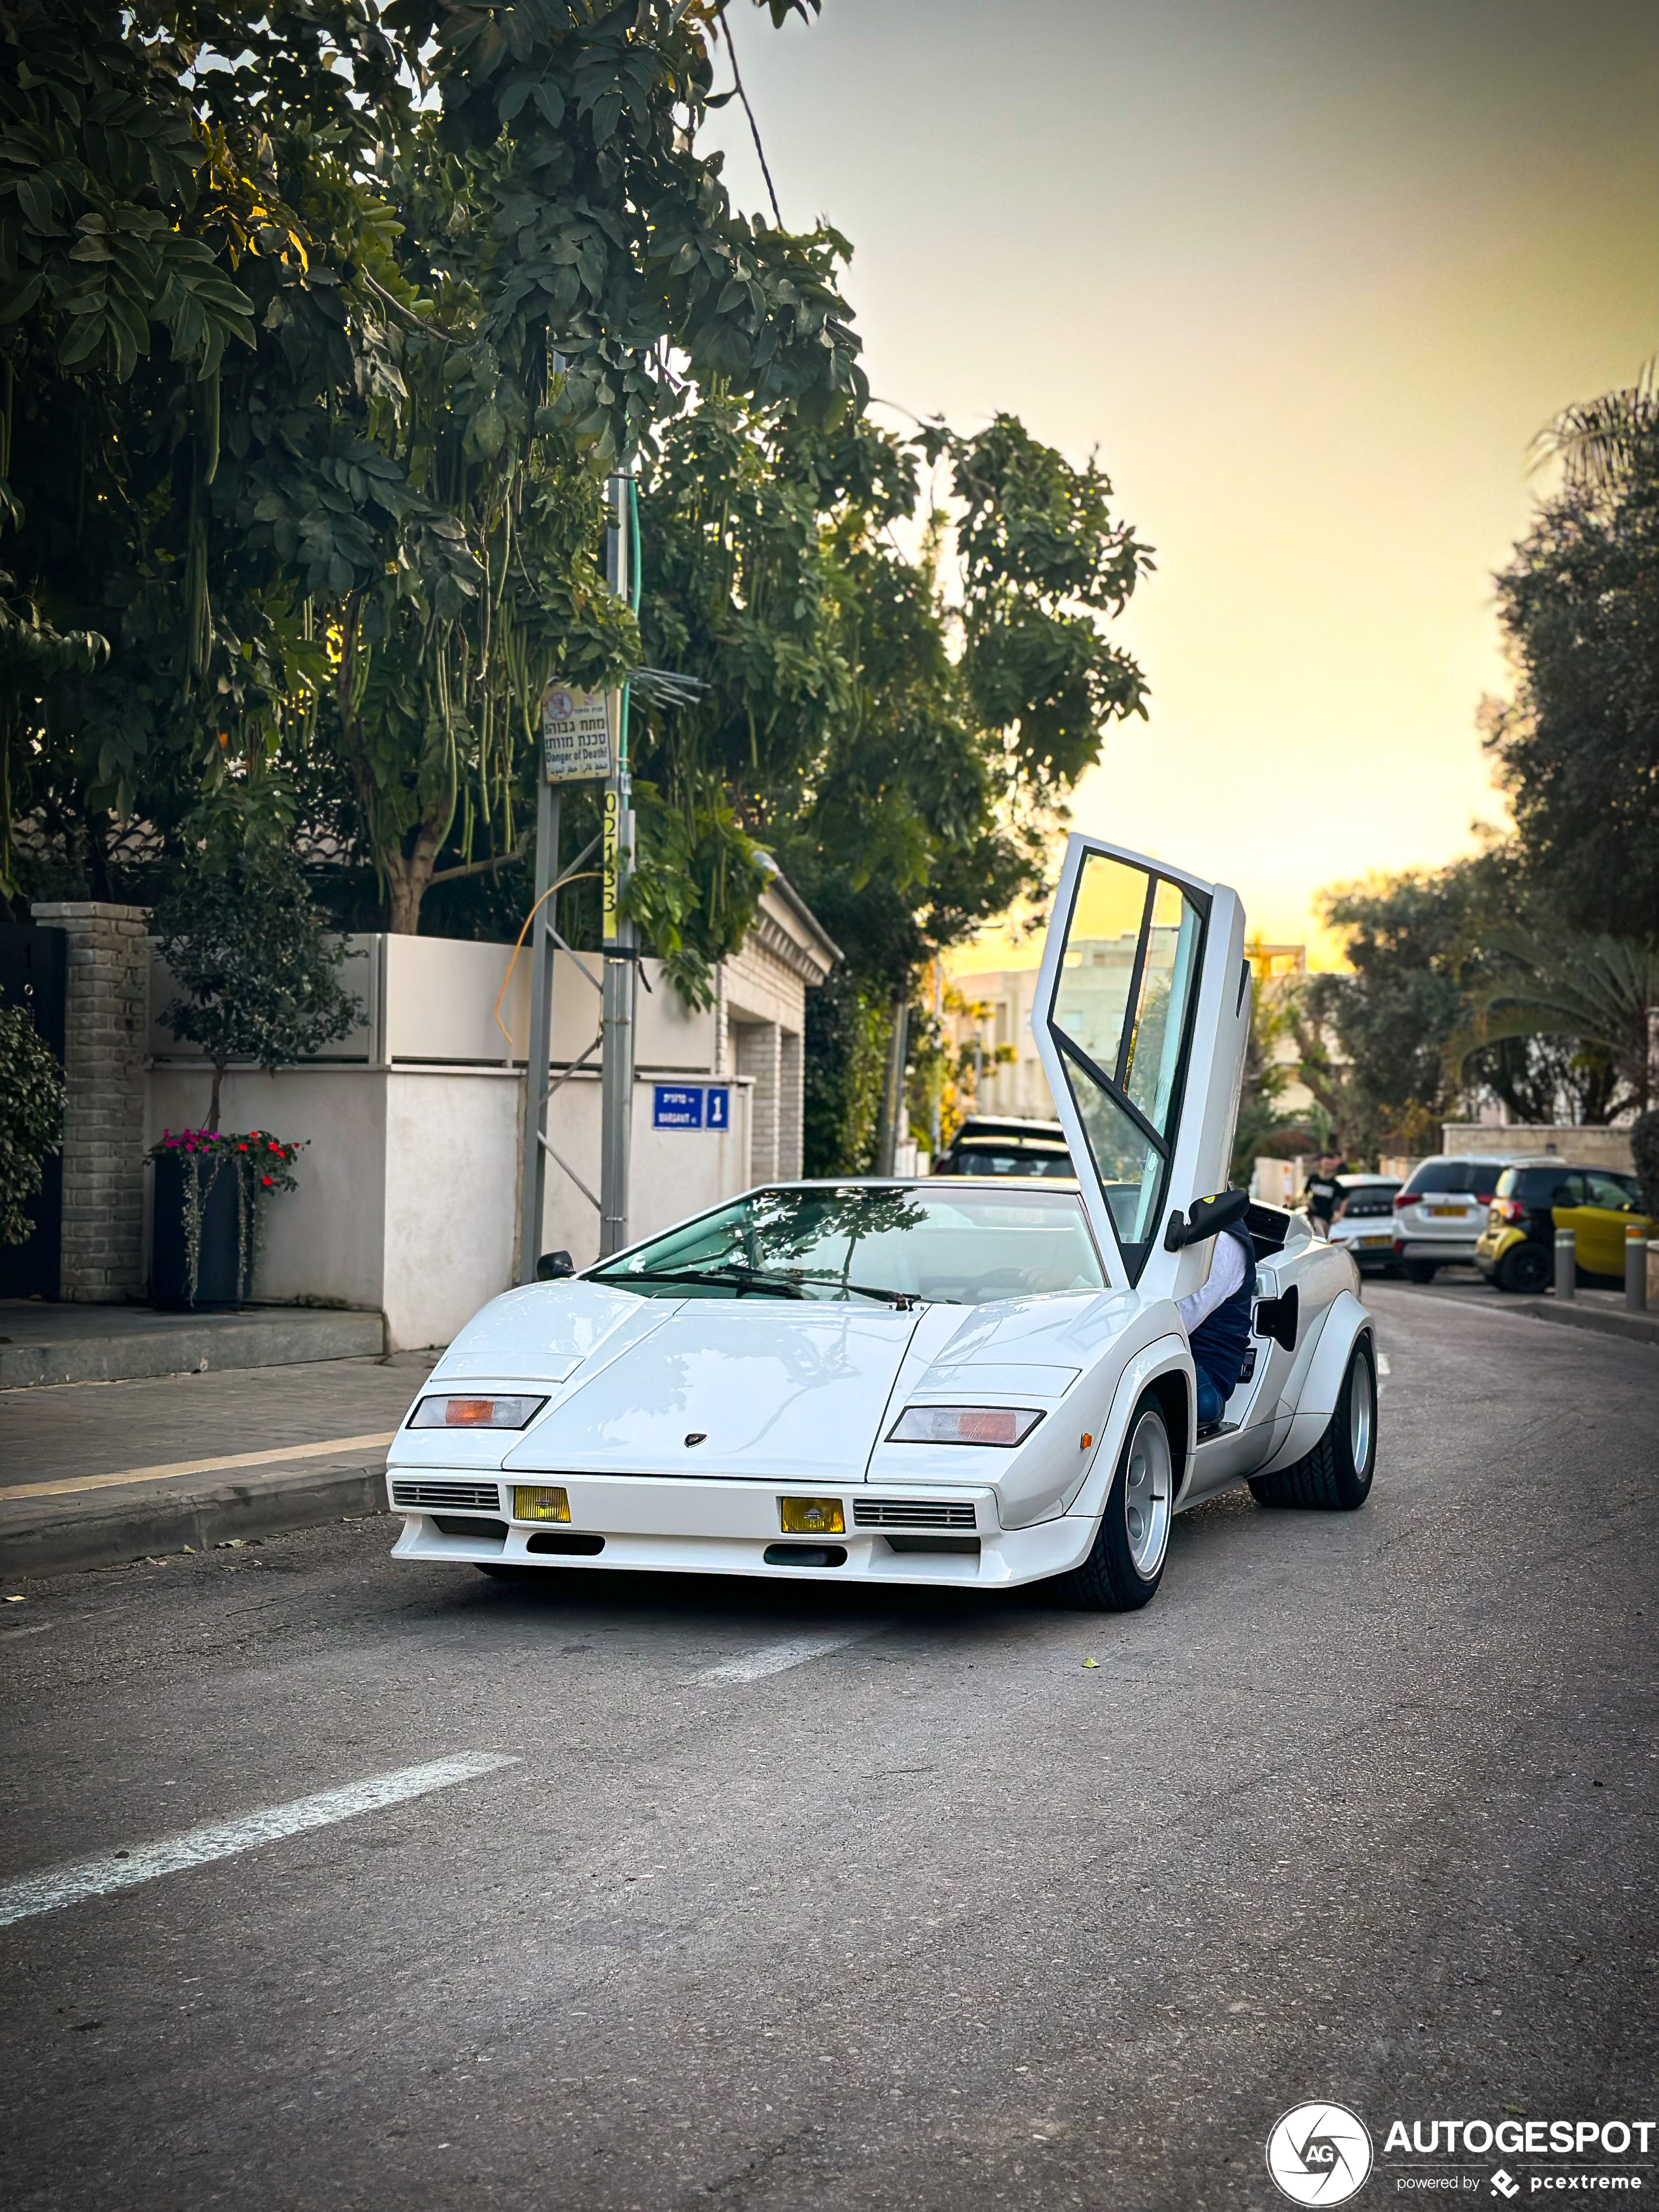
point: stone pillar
(792, 1076)
(755, 1053)
(106, 1018)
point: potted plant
(212, 1188)
(258, 973)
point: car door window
(1605, 1190)
(1121, 1018)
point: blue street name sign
(691, 1106)
(677, 1106)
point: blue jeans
(1211, 1403)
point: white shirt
(1226, 1273)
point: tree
(1577, 747)
(904, 759)
(425, 271)
(31, 1117)
(260, 978)
(1602, 993)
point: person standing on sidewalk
(1323, 1193)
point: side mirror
(1208, 1217)
(554, 1267)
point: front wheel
(1528, 1270)
(1125, 1564)
(1336, 1474)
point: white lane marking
(1383, 1367)
(775, 1658)
(71, 1485)
(81, 1878)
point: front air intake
(437, 1497)
(911, 1513)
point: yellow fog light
(546, 1504)
(811, 1516)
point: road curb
(136, 1355)
(38, 1536)
(1635, 1328)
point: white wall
(407, 1200)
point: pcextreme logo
(1319, 2154)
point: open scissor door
(1140, 1018)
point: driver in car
(1217, 1319)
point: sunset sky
(1309, 274)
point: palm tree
(1603, 991)
(1595, 440)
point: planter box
(221, 1280)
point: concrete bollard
(1653, 1272)
(1566, 1264)
(1636, 1272)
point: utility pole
(532, 1187)
(616, 1021)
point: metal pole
(616, 1021)
(1566, 1264)
(533, 1185)
(1636, 1270)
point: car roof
(926, 1182)
(1006, 1125)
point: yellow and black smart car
(1533, 1199)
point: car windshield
(1005, 1160)
(1469, 1177)
(871, 1243)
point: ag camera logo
(1319, 2154)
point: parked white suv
(1439, 1214)
(1363, 1223)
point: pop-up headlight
(964, 1425)
(492, 1413)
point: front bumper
(713, 1526)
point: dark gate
(33, 969)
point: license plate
(1374, 1240)
(1449, 1212)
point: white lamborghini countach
(947, 1381)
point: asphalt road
(796, 1901)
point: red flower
(268, 1181)
(241, 1148)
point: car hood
(771, 1389)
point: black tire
(1421, 1271)
(1108, 1581)
(1333, 1478)
(501, 1573)
(1529, 1271)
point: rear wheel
(1126, 1565)
(1528, 1270)
(1335, 1476)
(1421, 1271)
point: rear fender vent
(478, 1497)
(911, 1513)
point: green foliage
(846, 1056)
(1266, 1078)
(259, 977)
(31, 1117)
(1644, 1152)
(420, 271)
(1577, 749)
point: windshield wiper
(903, 1299)
(738, 1279)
